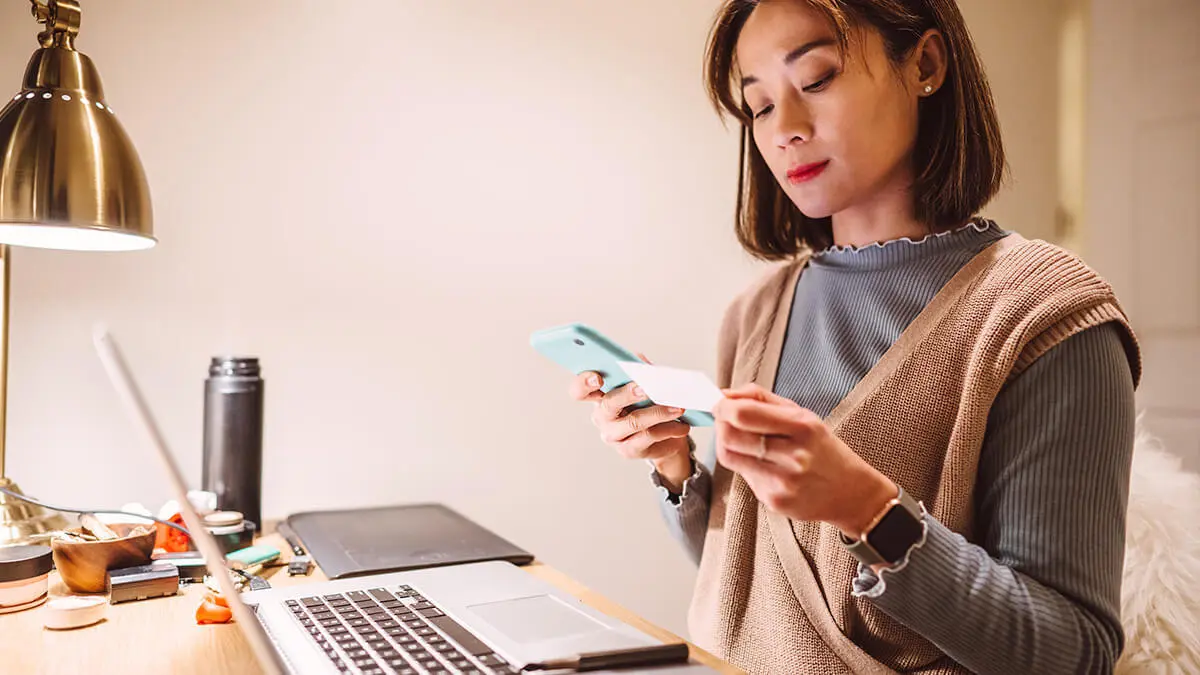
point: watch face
(895, 534)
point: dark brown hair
(958, 151)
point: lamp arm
(61, 18)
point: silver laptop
(489, 617)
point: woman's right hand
(654, 432)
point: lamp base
(25, 523)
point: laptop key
(381, 593)
(431, 612)
(312, 602)
(492, 660)
(387, 623)
(355, 596)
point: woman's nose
(793, 123)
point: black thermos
(233, 432)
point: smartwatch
(889, 536)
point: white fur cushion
(1160, 596)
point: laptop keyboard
(393, 631)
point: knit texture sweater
(998, 583)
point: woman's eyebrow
(794, 55)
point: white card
(674, 387)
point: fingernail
(676, 411)
(637, 391)
(594, 380)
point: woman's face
(836, 133)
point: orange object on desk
(213, 609)
(169, 539)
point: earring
(929, 89)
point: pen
(301, 563)
(619, 658)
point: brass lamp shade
(69, 176)
(69, 179)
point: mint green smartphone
(580, 348)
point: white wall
(381, 200)
(1142, 204)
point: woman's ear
(928, 63)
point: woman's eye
(820, 84)
(761, 113)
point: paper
(674, 387)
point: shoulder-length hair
(958, 156)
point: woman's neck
(858, 233)
(889, 215)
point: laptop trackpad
(536, 619)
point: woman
(922, 458)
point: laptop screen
(139, 413)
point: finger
(755, 472)
(644, 418)
(643, 357)
(584, 385)
(756, 392)
(780, 419)
(642, 444)
(620, 398)
(781, 451)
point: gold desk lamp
(69, 179)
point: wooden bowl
(84, 565)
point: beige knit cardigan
(774, 595)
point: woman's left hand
(802, 470)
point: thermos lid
(18, 563)
(223, 518)
(236, 366)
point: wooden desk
(161, 636)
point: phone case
(580, 348)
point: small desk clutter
(124, 561)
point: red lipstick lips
(806, 172)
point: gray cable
(44, 505)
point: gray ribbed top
(852, 304)
(1039, 588)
